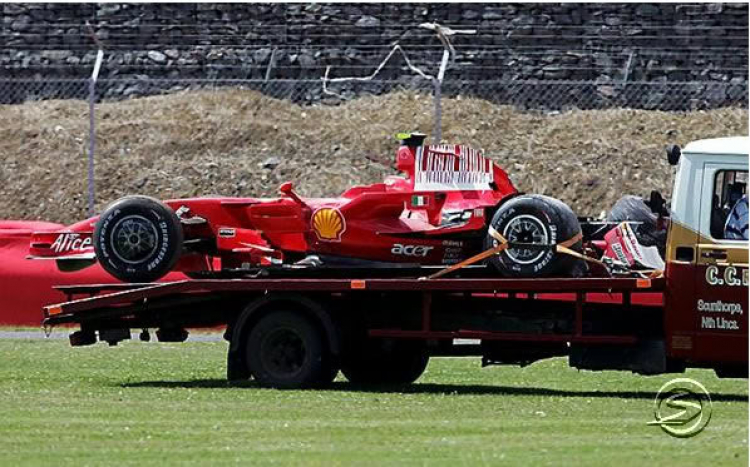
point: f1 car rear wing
(451, 167)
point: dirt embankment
(241, 143)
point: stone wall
(601, 43)
(540, 41)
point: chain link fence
(530, 95)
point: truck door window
(729, 206)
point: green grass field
(165, 404)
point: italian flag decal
(419, 201)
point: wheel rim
(283, 353)
(134, 239)
(526, 229)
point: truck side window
(729, 206)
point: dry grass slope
(214, 142)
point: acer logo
(70, 242)
(411, 250)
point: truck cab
(706, 301)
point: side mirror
(673, 154)
(286, 188)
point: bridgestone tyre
(385, 362)
(286, 351)
(541, 220)
(138, 239)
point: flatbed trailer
(297, 332)
(296, 327)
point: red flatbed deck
(113, 296)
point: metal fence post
(92, 129)
(438, 119)
(92, 119)
(271, 64)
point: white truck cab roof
(697, 171)
(737, 145)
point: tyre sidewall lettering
(156, 259)
(558, 223)
(159, 261)
(104, 246)
(550, 229)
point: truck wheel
(535, 219)
(138, 239)
(285, 350)
(385, 362)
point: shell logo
(328, 224)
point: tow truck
(380, 326)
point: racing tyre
(138, 239)
(385, 362)
(286, 351)
(540, 220)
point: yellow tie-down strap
(562, 247)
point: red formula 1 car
(438, 213)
